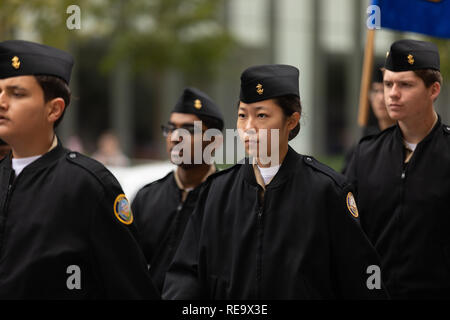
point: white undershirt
(20, 164)
(268, 173)
(411, 146)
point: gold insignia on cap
(410, 59)
(197, 104)
(387, 54)
(259, 89)
(15, 62)
(351, 205)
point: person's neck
(385, 123)
(33, 147)
(416, 129)
(194, 176)
(267, 163)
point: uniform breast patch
(351, 205)
(122, 209)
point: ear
(55, 109)
(435, 89)
(293, 120)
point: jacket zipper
(174, 230)
(260, 242)
(399, 218)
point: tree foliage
(156, 34)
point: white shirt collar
(20, 164)
(268, 173)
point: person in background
(109, 152)
(74, 143)
(379, 118)
(162, 208)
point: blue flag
(430, 17)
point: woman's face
(263, 127)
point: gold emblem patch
(259, 89)
(122, 209)
(197, 104)
(15, 62)
(410, 59)
(351, 205)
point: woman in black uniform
(264, 231)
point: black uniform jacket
(367, 131)
(57, 223)
(161, 219)
(299, 242)
(405, 211)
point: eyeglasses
(169, 129)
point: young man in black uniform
(162, 208)
(66, 228)
(277, 229)
(403, 177)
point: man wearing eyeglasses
(162, 208)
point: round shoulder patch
(351, 205)
(122, 209)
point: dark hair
(54, 87)
(290, 103)
(429, 76)
(210, 122)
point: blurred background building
(133, 58)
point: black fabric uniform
(405, 209)
(299, 242)
(59, 212)
(372, 122)
(161, 213)
(161, 219)
(367, 131)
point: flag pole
(363, 113)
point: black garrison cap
(377, 74)
(22, 58)
(196, 102)
(408, 55)
(268, 81)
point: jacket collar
(47, 159)
(437, 125)
(287, 167)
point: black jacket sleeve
(119, 263)
(183, 279)
(355, 261)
